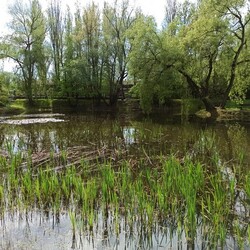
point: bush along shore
(179, 195)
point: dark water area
(160, 133)
(139, 135)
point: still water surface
(159, 134)
(156, 134)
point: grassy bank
(43, 105)
(184, 107)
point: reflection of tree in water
(238, 143)
(107, 233)
(2, 136)
(231, 140)
(136, 231)
(34, 137)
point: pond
(156, 134)
(82, 141)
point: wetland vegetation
(126, 183)
(100, 142)
(111, 52)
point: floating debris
(30, 121)
(50, 115)
(25, 119)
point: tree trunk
(210, 107)
(241, 36)
(201, 94)
(29, 92)
(30, 98)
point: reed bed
(183, 195)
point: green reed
(72, 217)
(175, 193)
(247, 186)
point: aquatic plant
(183, 195)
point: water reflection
(129, 135)
(231, 140)
(50, 231)
(238, 141)
(41, 231)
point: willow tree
(145, 59)
(151, 62)
(237, 49)
(25, 43)
(211, 47)
(205, 44)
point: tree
(206, 45)
(92, 50)
(116, 22)
(144, 59)
(151, 62)
(68, 81)
(74, 68)
(82, 63)
(171, 11)
(25, 44)
(214, 43)
(238, 23)
(56, 29)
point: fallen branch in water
(73, 156)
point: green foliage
(206, 45)
(26, 48)
(242, 82)
(3, 90)
(76, 79)
(151, 62)
(7, 87)
(202, 51)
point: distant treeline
(201, 51)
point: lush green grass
(235, 105)
(21, 105)
(37, 103)
(185, 106)
(12, 110)
(41, 104)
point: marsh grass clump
(183, 195)
(203, 148)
